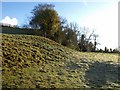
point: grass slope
(36, 62)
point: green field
(36, 62)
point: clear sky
(101, 16)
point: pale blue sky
(70, 10)
(95, 15)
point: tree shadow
(101, 73)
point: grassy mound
(36, 62)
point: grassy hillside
(36, 62)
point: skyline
(85, 14)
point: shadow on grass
(100, 74)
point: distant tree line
(106, 50)
(46, 22)
(8, 25)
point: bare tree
(95, 36)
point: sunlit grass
(36, 62)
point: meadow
(30, 61)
